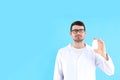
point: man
(78, 61)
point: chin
(80, 40)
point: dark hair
(80, 23)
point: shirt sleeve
(106, 65)
(58, 73)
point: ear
(70, 33)
(85, 33)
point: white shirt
(80, 64)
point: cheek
(84, 34)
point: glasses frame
(75, 31)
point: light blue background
(32, 31)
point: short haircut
(79, 23)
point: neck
(78, 44)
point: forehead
(77, 27)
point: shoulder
(64, 50)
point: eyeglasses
(75, 31)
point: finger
(101, 42)
(102, 45)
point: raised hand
(101, 49)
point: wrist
(106, 56)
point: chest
(75, 60)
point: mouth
(78, 36)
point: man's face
(78, 33)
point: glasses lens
(78, 30)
